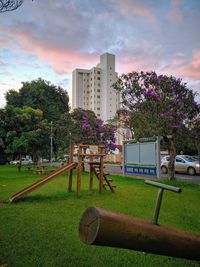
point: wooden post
(79, 171)
(91, 172)
(70, 180)
(106, 228)
(71, 154)
(102, 151)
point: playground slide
(41, 182)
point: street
(116, 169)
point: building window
(98, 108)
(98, 78)
(98, 96)
(98, 72)
(98, 90)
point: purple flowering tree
(157, 105)
(86, 128)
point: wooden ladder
(106, 180)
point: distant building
(92, 89)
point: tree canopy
(82, 126)
(40, 94)
(23, 131)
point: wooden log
(106, 228)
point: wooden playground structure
(79, 152)
(95, 167)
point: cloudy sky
(49, 39)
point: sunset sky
(49, 39)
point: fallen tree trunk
(105, 228)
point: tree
(157, 105)
(82, 126)
(40, 94)
(87, 128)
(24, 131)
(3, 156)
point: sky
(49, 39)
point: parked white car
(23, 161)
(183, 163)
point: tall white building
(92, 89)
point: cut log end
(89, 225)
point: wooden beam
(106, 228)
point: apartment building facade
(92, 89)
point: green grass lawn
(42, 228)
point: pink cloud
(189, 69)
(175, 14)
(130, 7)
(141, 11)
(3, 42)
(138, 62)
(196, 60)
(61, 60)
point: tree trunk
(172, 154)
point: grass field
(41, 229)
